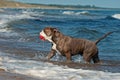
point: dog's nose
(42, 37)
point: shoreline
(14, 4)
(105, 66)
(4, 75)
(51, 8)
(9, 75)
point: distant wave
(76, 13)
(68, 12)
(6, 18)
(6, 31)
(32, 13)
(83, 13)
(117, 16)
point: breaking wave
(6, 31)
(48, 71)
(117, 16)
(76, 13)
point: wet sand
(4, 75)
(112, 67)
(106, 65)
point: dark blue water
(19, 29)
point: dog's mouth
(42, 37)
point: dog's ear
(56, 32)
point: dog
(69, 46)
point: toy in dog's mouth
(42, 37)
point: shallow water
(23, 52)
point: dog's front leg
(68, 57)
(51, 54)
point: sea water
(21, 50)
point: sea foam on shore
(49, 71)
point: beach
(4, 75)
(22, 53)
(13, 4)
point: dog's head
(49, 32)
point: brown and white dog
(68, 46)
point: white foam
(75, 13)
(7, 18)
(32, 13)
(68, 12)
(49, 71)
(83, 13)
(117, 16)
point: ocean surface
(21, 50)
